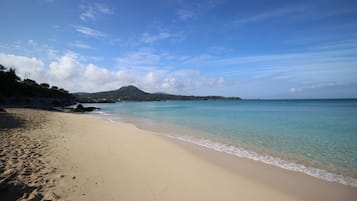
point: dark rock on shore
(81, 108)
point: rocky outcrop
(81, 108)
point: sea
(316, 137)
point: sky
(251, 49)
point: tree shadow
(10, 121)
(15, 191)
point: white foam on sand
(282, 163)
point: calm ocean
(317, 137)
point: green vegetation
(131, 93)
(45, 85)
(13, 90)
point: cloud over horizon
(69, 73)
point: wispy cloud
(143, 57)
(81, 45)
(28, 48)
(339, 51)
(259, 17)
(316, 86)
(163, 35)
(93, 11)
(315, 69)
(188, 11)
(293, 13)
(152, 71)
(90, 32)
(185, 14)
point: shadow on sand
(10, 121)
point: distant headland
(132, 93)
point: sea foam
(268, 159)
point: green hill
(132, 93)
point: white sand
(116, 161)
(102, 160)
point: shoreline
(233, 150)
(241, 152)
(299, 184)
(99, 159)
(255, 168)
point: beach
(84, 157)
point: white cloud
(67, 71)
(103, 8)
(97, 74)
(90, 32)
(66, 67)
(92, 11)
(87, 14)
(316, 69)
(317, 86)
(26, 67)
(143, 57)
(151, 71)
(81, 45)
(294, 90)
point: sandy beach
(64, 156)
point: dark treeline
(14, 90)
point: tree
(54, 87)
(2, 68)
(30, 82)
(12, 75)
(8, 76)
(45, 85)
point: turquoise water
(317, 137)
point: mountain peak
(130, 89)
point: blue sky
(251, 49)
